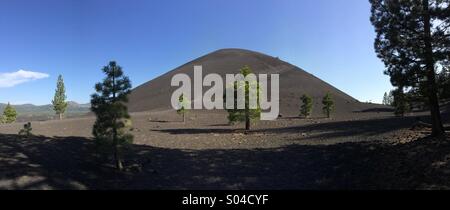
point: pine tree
(390, 98)
(328, 104)
(413, 40)
(9, 114)
(307, 105)
(26, 130)
(444, 83)
(182, 103)
(401, 103)
(112, 114)
(59, 100)
(385, 99)
(247, 114)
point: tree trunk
(117, 158)
(247, 119)
(60, 116)
(437, 129)
(119, 165)
(184, 117)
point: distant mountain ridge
(40, 110)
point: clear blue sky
(330, 39)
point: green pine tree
(400, 103)
(247, 114)
(108, 104)
(413, 40)
(385, 98)
(307, 105)
(390, 98)
(26, 130)
(328, 104)
(183, 102)
(444, 83)
(9, 114)
(59, 100)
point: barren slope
(155, 94)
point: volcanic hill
(294, 82)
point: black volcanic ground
(363, 146)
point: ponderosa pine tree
(247, 114)
(307, 105)
(401, 103)
(390, 98)
(385, 99)
(413, 41)
(26, 130)
(108, 104)
(9, 114)
(328, 104)
(182, 103)
(444, 83)
(59, 100)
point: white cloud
(14, 78)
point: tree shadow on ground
(163, 121)
(179, 131)
(40, 162)
(386, 109)
(302, 118)
(326, 129)
(220, 125)
(68, 163)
